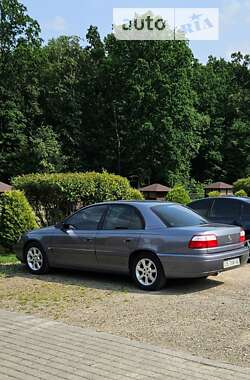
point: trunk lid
(228, 236)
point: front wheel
(36, 259)
(147, 272)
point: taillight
(203, 241)
(242, 236)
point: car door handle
(87, 240)
(127, 240)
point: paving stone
(35, 348)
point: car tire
(147, 272)
(36, 259)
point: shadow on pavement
(107, 281)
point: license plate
(231, 263)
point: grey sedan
(151, 241)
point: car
(150, 240)
(230, 210)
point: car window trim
(124, 229)
(210, 208)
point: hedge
(16, 217)
(54, 196)
(240, 193)
(213, 194)
(243, 184)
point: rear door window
(123, 217)
(246, 211)
(226, 208)
(202, 206)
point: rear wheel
(36, 259)
(147, 272)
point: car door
(226, 210)
(74, 245)
(118, 237)
(245, 218)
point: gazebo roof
(156, 187)
(219, 186)
(4, 187)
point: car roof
(139, 203)
(243, 199)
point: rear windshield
(178, 216)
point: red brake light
(242, 236)
(203, 241)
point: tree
(19, 52)
(45, 151)
(13, 140)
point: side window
(122, 217)
(201, 207)
(226, 208)
(246, 211)
(87, 219)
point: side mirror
(65, 227)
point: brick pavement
(33, 348)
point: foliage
(240, 193)
(16, 217)
(243, 184)
(142, 109)
(45, 153)
(196, 189)
(178, 194)
(54, 196)
(134, 194)
(214, 194)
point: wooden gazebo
(222, 187)
(4, 187)
(155, 191)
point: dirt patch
(209, 318)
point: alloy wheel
(146, 272)
(34, 258)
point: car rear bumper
(195, 266)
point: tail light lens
(203, 241)
(242, 236)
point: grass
(54, 295)
(8, 258)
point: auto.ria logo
(166, 23)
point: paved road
(33, 348)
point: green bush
(196, 189)
(240, 193)
(178, 194)
(242, 184)
(16, 217)
(214, 194)
(54, 196)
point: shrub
(240, 193)
(214, 194)
(242, 184)
(54, 196)
(16, 217)
(196, 189)
(134, 194)
(178, 194)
